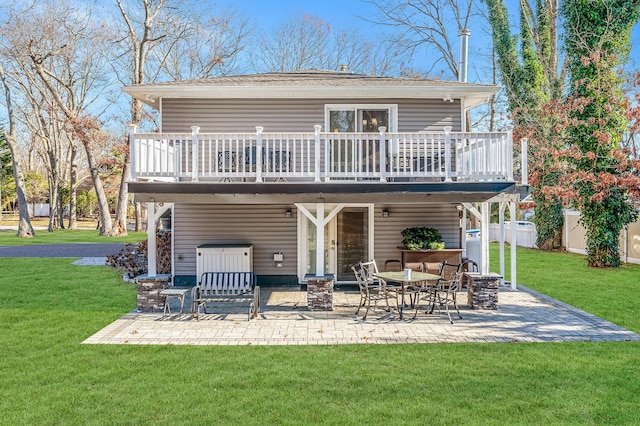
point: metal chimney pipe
(463, 55)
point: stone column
(149, 288)
(320, 292)
(482, 290)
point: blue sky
(339, 13)
(344, 14)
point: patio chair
(432, 267)
(369, 270)
(426, 292)
(393, 265)
(445, 293)
(414, 266)
(375, 290)
(227, 161)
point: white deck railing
(323, 157)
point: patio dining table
(414, 278)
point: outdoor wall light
(385, 213)
(459, 207)
(287, 214)
(278, 258)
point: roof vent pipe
(464, 55)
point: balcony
(322, 156)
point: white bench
(225, 287)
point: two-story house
(316, 170)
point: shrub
(422, 238)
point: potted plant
(422, 238)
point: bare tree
(62, 50)
(32, 113)
(200, 43)
(308, 42)
(57, 65)
(298, 43)
(162, 39)
(430, 24)
(24, 224)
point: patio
(522, 316)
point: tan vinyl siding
(294, 115)
(443, 217)
(267, 228)
(428, 115)
(264, 226)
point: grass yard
(613, 294)
(49, 306)
(64, 236)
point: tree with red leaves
(580, 140)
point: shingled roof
(309, 84)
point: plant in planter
(422, 238)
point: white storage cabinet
(224, 258)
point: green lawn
(48, 307)
(613, 294)
(63, 236)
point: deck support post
(485, 210)
(320, 224)
(514, 243)
(152, 244)
(501, 238)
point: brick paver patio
(522, 316)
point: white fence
(42, 209)
(525, 237)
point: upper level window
(360, 118)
